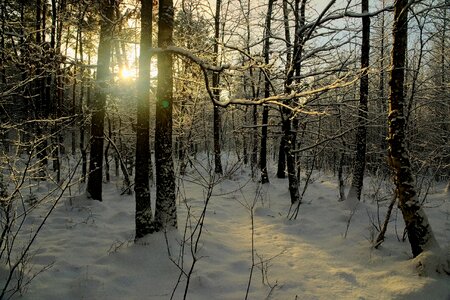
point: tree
(281, 170)
(418, 228)
(94, 186)
(165, 213)
(360, 159)
(216, 91)
(265, 114)
(143, 216)
(289, 126)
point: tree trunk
(81, 108)
(382, 94)
(94, 186)
(290, 134)
(445, 126)
(254, 154)
(165, 214)
(74, 86)
(265, 114)
(143, 216)
(2, 45)
(419, 231)
(281, 170)
(360, 159)
(108, 144)
(216, 92)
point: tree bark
(2, 45)
(94, 186)
(265, 114)
(165, 214)
(381, 91)
(419, 231)
(143, 216)
(290, 127)
(360, 159)
(281, 170)
(216, 92)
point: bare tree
(419, 231)
(265, 114)
(360, 159)
(165, 213)
(94, 186)
(216, 91)
(143, 216)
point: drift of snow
(89, 246)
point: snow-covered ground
(325, 253)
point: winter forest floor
(325, 253)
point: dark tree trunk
(382, 93)
(81, 108)
(254, 156)
(107, 166)
(143, 216)
(38, 21)
(419, 231)
(165, 214)
(265, 114)
(263, 153)
(444, 67)
(244, 139)
(52, 88)
(94, 186)
(281, 170)
(290, 127)
(2, 45)
(253, 136)
(216, 92)
(360, 159)
(40, 103)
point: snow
(326, 253)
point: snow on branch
(189, 55)
(278, 100)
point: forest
(228, 149)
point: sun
(126, 73)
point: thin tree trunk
(216, 92)
(445, 126)
(74, 86)
(253, 136)
(265, 114)
(360, 159)
(381, 91)
(290, 127)
(108, 144)
(244, 139)
(41, 107)
(380, 238)
(254, 156)
(281, 170)
(81, 108)
(2, 45)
